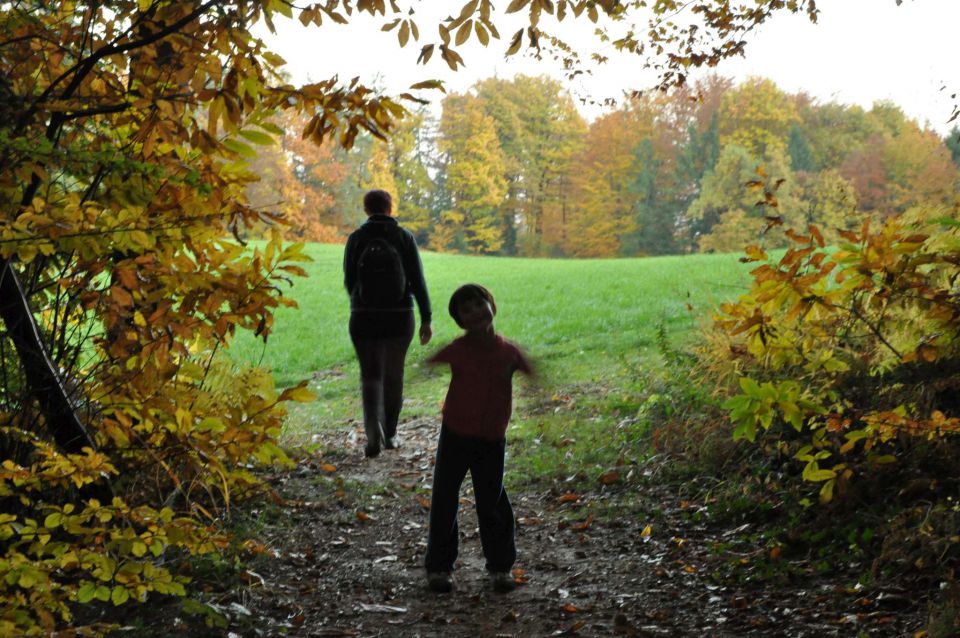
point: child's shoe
(440, 582)
(502, 582)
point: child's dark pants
(484, 459)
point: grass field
(590, 326)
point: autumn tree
(411, 154)
(539, 130)
(952, 141)
(603, 205)
(475, 178)
(829, 201)
(299, 180)
(757, 116)
(731, 212)
(832, 131)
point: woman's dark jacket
(401, 239)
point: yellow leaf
(515, 42)
(464, 32)
(301, 394)
(482, 34)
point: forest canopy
(511, 168)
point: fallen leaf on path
(382, 609)
(569, 497)
(647, 531)
(252, 547)
(328, 467)
(571, 630)
(611, 477)
(519, 576)
(529, 521)
(252, 578)
(363, 516)
(570, 608)
(424, 501)
(584, 525)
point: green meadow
(590, 326)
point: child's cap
(468, 291)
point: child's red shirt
(479, 401)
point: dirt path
(347, 549)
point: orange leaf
(519, 575)
(569, 497)
(608, 478)
(584, 525)
(121, 296)
(128, 278)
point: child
(475, 416)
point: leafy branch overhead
(670, 37)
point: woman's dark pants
(484, 459)
(381, 340)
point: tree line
(511, 168)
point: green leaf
(258, 137)
(813, 473)
(746, 430)
(749, 386)
(240, 148)
(826, 491)
(53, 520)
(119, 595)
(86, 592)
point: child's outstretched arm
(524, 365)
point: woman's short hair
(377, 202)
(469, 291)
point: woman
(383, 275)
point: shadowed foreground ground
(630, 558)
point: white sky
(859, 52)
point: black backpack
(381, 280)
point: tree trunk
(43, 378)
